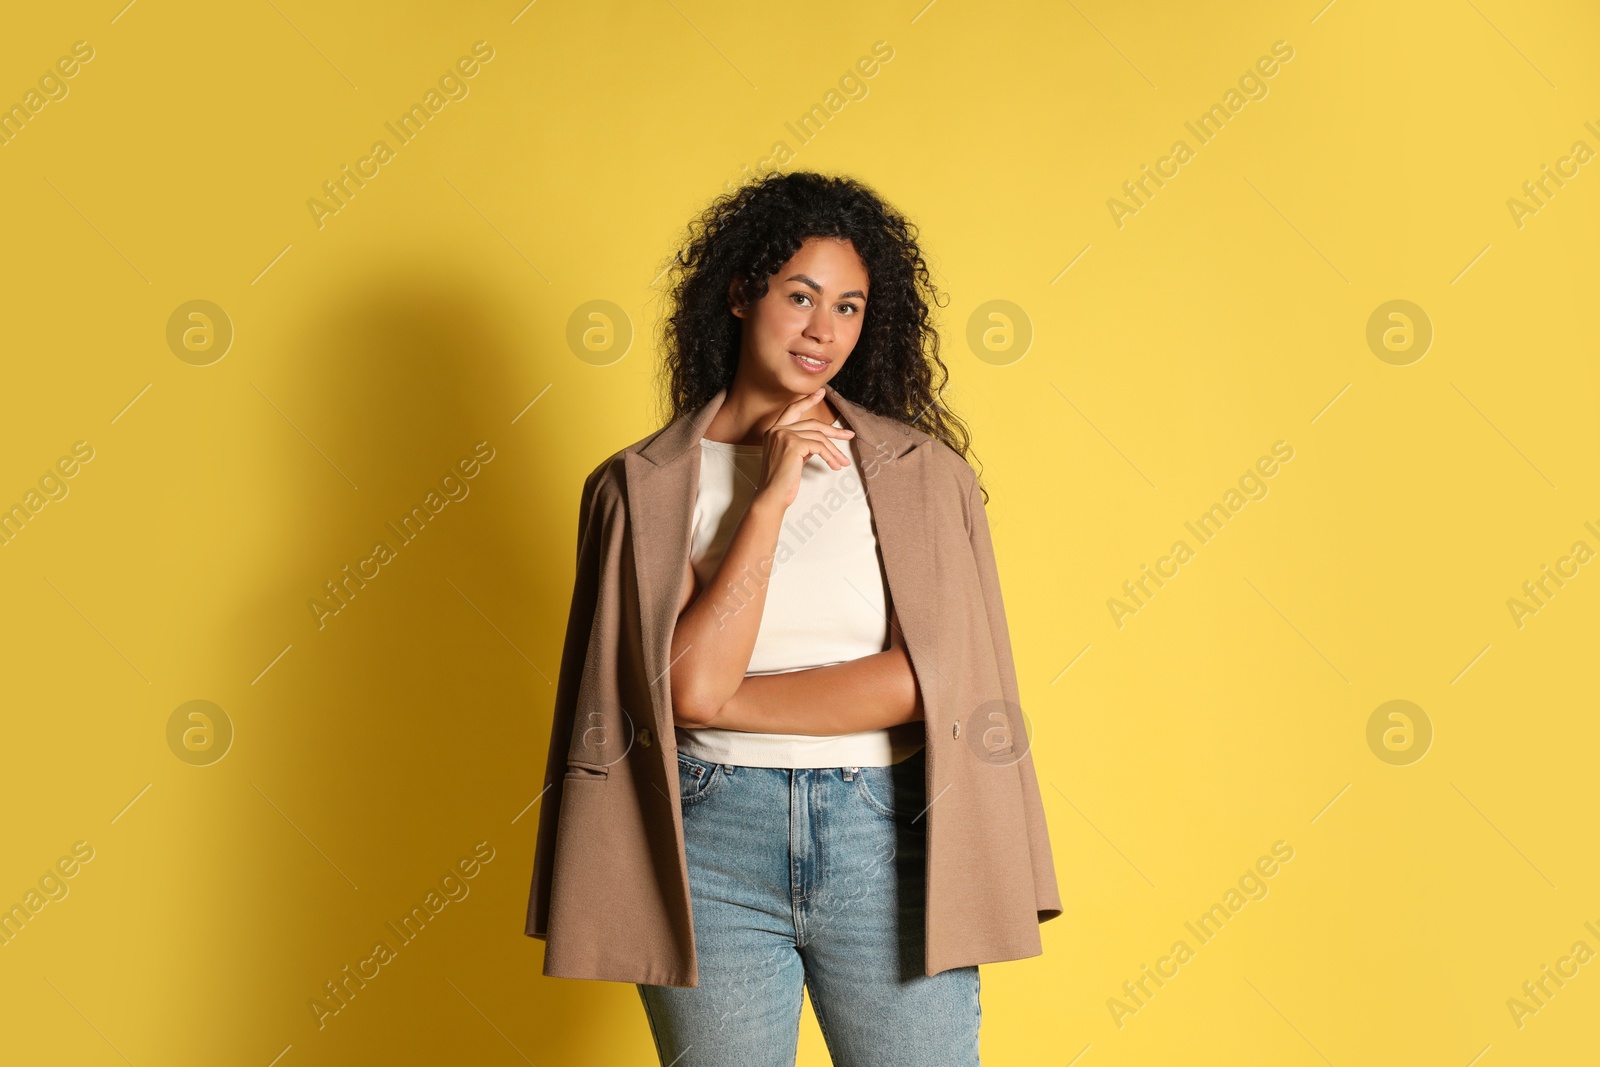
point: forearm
(715, 635)
(869, 693)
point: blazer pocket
(581, 771)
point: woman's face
(813, 307)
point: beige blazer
(610, 893)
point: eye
(801, 295)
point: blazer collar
(877, 435)
(663, 477)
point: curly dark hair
(748, 234)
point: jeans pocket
(697, 779)
(896, 792)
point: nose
(819, 327)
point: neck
(748, 410)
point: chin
(800, 383)
(806, 386)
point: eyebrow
(804, 280)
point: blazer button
(644, 738)
(955, 731)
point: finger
(824, 427)
(816, 443)
(826, 449)
(805, 446)
(793, 412)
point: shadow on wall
(406, 546)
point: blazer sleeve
(580, 623)
(1046, 890)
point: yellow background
(374, 351)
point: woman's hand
(789, 442)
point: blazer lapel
(894, 469)
(663, 477)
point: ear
(735, 303)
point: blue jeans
(810, 878)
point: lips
(809, 361)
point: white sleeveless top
(826, 601)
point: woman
(809, 492)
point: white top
(826, 601)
